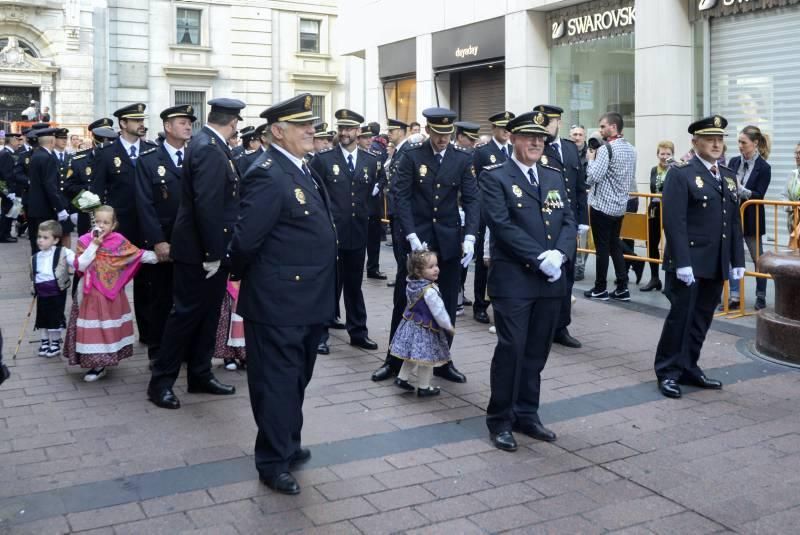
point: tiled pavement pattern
(627, 460)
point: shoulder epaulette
(266, 164)
(412, 146)
(462, 149)
(112, 143)
(493, 166)
(148, 151)
(725, 167)
(78, 156)
(238, 156)
(323, 151)
(479, 145)
(679, 163)
(151, 143)
(550, 167)
(368, 152)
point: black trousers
(191, 326)
(374, 234)
(480, 303)
(449, 285)
(691, 311)
(350, 274)
(525, 329)
(280, 362)
(565, 312)
(5, 222)
(605, 231)
(654, 231)
(84, 223)
(33, 230)
(158, 280)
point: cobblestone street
(99, 458)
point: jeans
(761, 284)
(605, 231)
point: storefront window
(591, 78)
(401, 99)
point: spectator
(74, 144)
(610, 171)
(792, 192)
(753, 175)
(45, 116)
(30, 113)
(665, 151)
(577, 133)
(415, 128)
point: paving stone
(445, 488)
(163, 525)
(361, 468)
(277, 523)
(56, 525)
(222, 529)
(390, 522)
(107, 516)
(176, 502)
(340, 528)
(414, 458)
(690, 522)
(346, 509)
(337, 490)
(607, 452)
(238, 491)
(407, 476)
(461, 526)
(574, 525)
(402, 497)
(459, 466)
(451, 508)
(227, 513)
(274, 502)
(632, 512)
(466, 447)
(506, 495)
(506, 518)
(571, 503)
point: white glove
(211, 268)
(462, 216)
(376, 190)
(62, 215)
(469, 250)
(416, 245)
(553, 274)
(583, 229)
(11, 196)
(552, 259)
(73, 218)
(737, 273)
(685, 275)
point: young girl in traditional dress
(230, 331)
(50, 277)
(100, 330)
(420, 338)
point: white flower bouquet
(86, 201)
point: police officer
(564, 155)
(63, 158)
(430, 177)
(251, 141)
(206, 214)
(24, 157)
(8, 157)
(532, 229)
(350, 175)
(495, 151)
(44, 197)
(467, 134)
(398, 135)
(703, 233)
(375, 204)
(81, 172)
(322, 137)
(158, 194)
(284, 251)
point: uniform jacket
(114, 182)
(522, 227)
(350, 193)
(44, 197)
(390, 168)
(245, 159)
(7, 168)
(701, 221)
(758, 183)
(488, 154)
(376, 203)
(21, 165)
(284, 245)
(81, 174)
(574, 177)
(158, 195)
(209, 201)
(63, 171)
(426, 197)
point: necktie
(532, 178)
(133, 155)
(61, 158)
(439, 158)
(504, 151)
(715, 172)
(744, 174)
(179, 154)
(557, 146)
(350, 165)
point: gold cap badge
(539, 118)
(307, 103)
(516, 190)
(717, 122)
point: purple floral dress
(418, 337)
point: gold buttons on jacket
(435, 208)
(519, 205)
(723, 235)
(691, 243)
(547, 223)
(297, 277)
(434, 220)
(549, 237)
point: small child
(100, 330)
(50, 276)
(230, 331)
(420, 338)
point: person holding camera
(610, 171)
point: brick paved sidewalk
(99, 458)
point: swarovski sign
(595, 22)
(579, 23)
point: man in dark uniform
(467, 135)
(375, 204)
(24, 156)
(284, 251)
(8, 158)
(114, 182)
(158, 194)
(249, 157)
(251, 141)
(322, 137)
(533, 240)
(495, 151)
(81, 172)
(63, 158)
(44, 198)
(398, 135)
(564, 155)
(703, 234)
(206, 214)
(431, 177)
(350, 175)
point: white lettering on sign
(595, 22)
(471, 50)
(705, 5)
(731, 2)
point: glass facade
(401, 99)
(593, 77)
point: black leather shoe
(166, 399)
(390, 284)
(504, 441)
(300, 456)
(732, 305)
(481, 316)
(702, 381)
(579, 276)
(364, 343)
(654, 284)
(428, 392)
(638, 270)
(213, 386)
(466, 302)
(376, 275)
(283, 483)
(383, 373)
(405, 385)
(670, 388)
(337, 324)
(563, 338)
(8, 239)
(4, 373)
(448, 372)
(761, 303)
(537, 431)
(323, 349)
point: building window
(318, 105)
(188, 26)
(197, 100)
(401, 99)
(309, 35)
